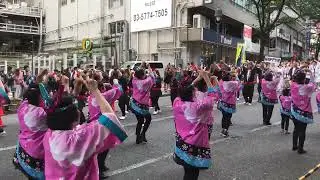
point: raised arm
(105, 107)
(42, 76)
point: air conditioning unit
(200, 21)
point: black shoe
(138, 139)
(102, 176)
(225, 133)
(294, 148)
(267, 123)
(301, 151)
(104, 169)
(143, 138)
(231, 124)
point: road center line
(151, 161)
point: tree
(269, 15)
(310, 8)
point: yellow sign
(240, 55)
(87, 44)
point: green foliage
(309, 8)
(269, 14)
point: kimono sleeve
(215, 93)
(208, 102)
(149, 81)
(307, 90)
(77, 146)
(272, 84)
(113, 94)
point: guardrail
(28, 11)
(19, 28)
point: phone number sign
(148, 15)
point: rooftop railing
(27, 11)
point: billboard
(148, 15)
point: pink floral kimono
(72, 154)
(192, 141)
(228, 101)
(29, 155)
(111, 96)
(301, 102)
(285, 102)
(269, 91)
(141, 95)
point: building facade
(194, 35)
(21, 32)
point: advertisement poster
(148, 15)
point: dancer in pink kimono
(301, 109)
(29, 155)
(3, 100)
(192, 149)
(139, 103)
(285, 110)
(32, 113)
(111, 96)
(269, 96)
(229, 88)
(201, 94)
(71, 149)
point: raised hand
(92, 85)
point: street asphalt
(252, 152)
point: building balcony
(208, 35)
(21, 11)
(21, 29)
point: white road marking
(151, 161)
(265, 127)
(7, 148)
(135, 166)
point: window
(116, 27)
(120, 27)
(113, 27)
(64, 2)
(115, 3)
(195, 23)
(273, 43)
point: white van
(153, 64)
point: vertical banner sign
(148, 15)
(247, 32)
(247, 36)
(308, 40)
(240, 55)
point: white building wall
(51, 10)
